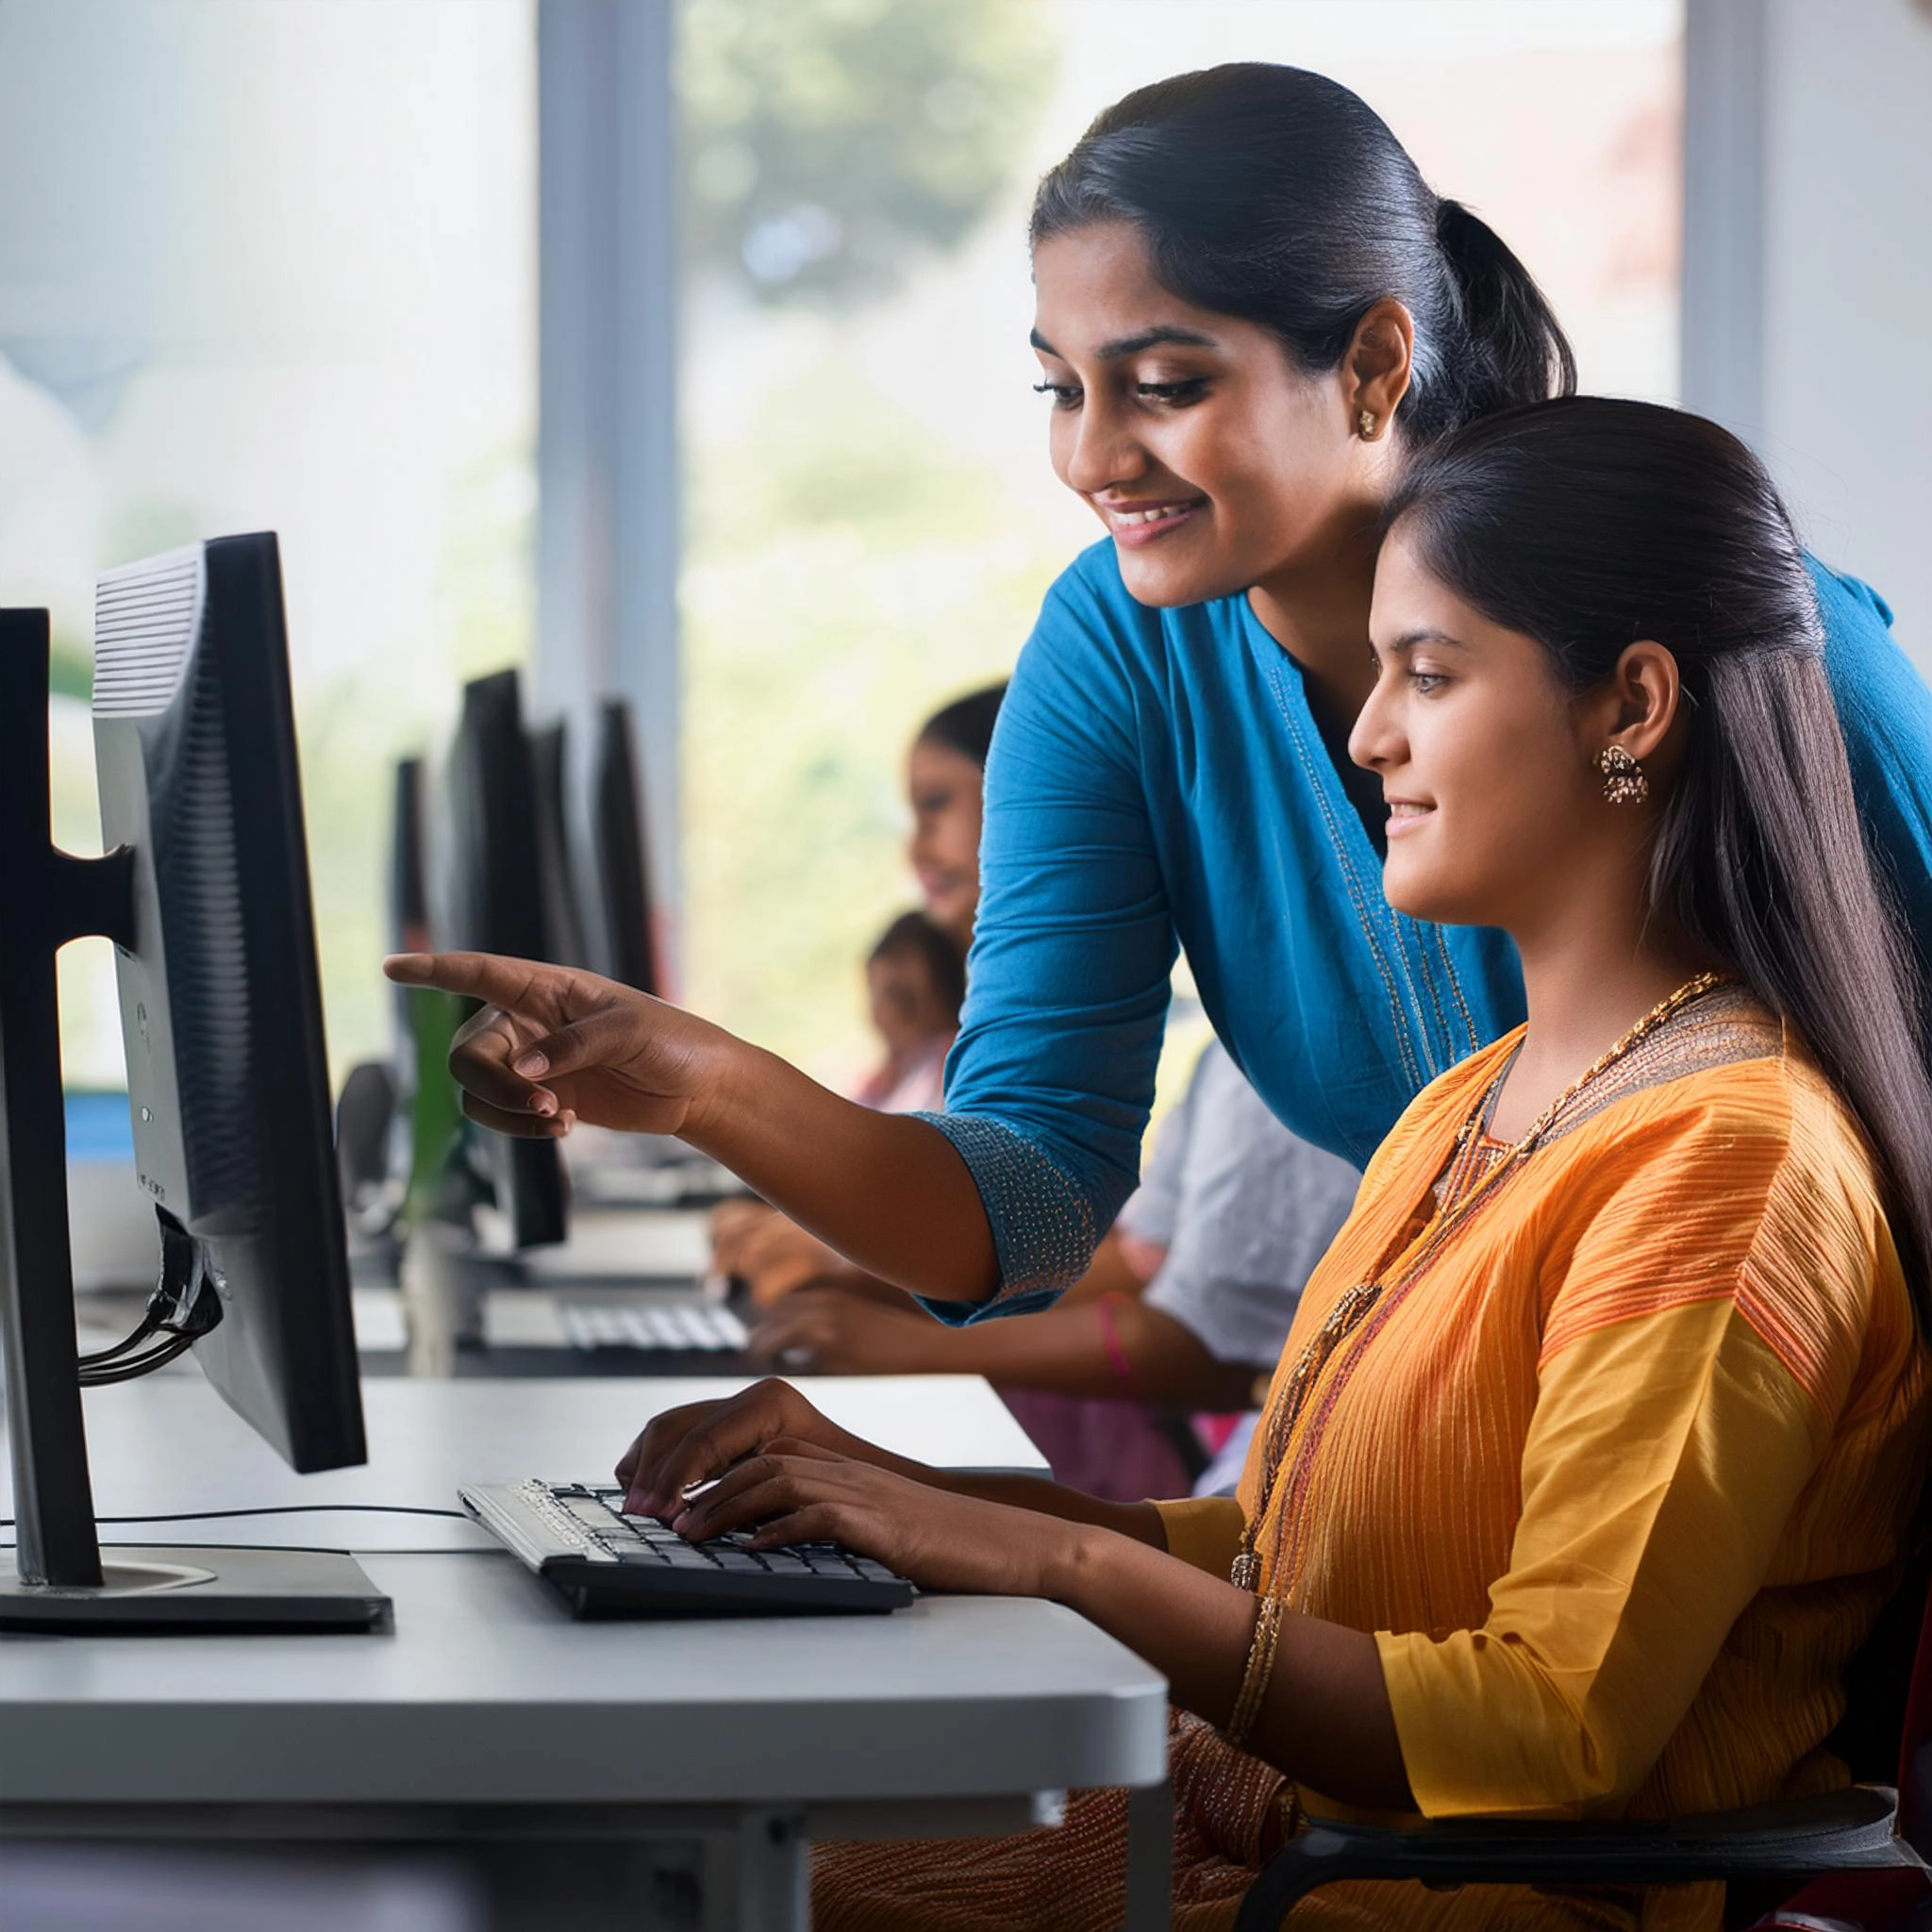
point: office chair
(1855, 1859)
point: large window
(272, 266)
(872, 520)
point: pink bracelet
(1109, 1335)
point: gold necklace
(1464, 1189)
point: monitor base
(185, 1590)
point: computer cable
(488, 1549)
(296, 1509)
(96, 1375)
(99, 1358)
(184, 1305)
(283, 1509)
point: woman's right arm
(1003, 1196)
(552, 1045)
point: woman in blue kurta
(1159, 779)
(1250, 307)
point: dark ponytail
(1515, 351)
(1589, 524)
(1276, 195)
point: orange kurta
(1619, 1482)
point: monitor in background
(624, 878)
(425, 1175)
(205, 893)
(563, 907)
(496, 897)
(409, 861)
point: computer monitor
(408, 863)
(205, 893)
(496, 904)
(564, 924)
(623, 873)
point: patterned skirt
(1231, 1813)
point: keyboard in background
(700, 1327)
(607, 1564)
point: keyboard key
(783, 1563)
(572, 1525)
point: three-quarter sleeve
(1687, 1393)
(1205, 1531)
(1048, 1087)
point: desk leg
(774, 1873)
(1150, 1859)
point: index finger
(487, 977)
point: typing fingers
(787, 1330)
(688, 1447)
(769, 1485)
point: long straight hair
(1589, 524)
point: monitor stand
(155, 1589)
(48, 897)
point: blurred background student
(915, 978)
(1188, 1300)
(915, 984)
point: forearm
(1325, 1718)
(1137, 1522)
(1083, 1350)
(890, 1193)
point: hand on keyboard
(700, 1439)
(798, 1493)
(788, 1474)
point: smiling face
(1496, 814)
(1212, 460)
(946, 789)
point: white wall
(1848, 289)
(1831, 377)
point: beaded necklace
(1475, 1170)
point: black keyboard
(574, 1536)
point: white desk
(556, 1748)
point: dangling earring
(1624, 779)
(1366, 427)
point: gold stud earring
(1624, 779)
(1366, 427)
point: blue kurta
(1157, 782)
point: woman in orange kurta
(1684, 1334)
(1591, 1457)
